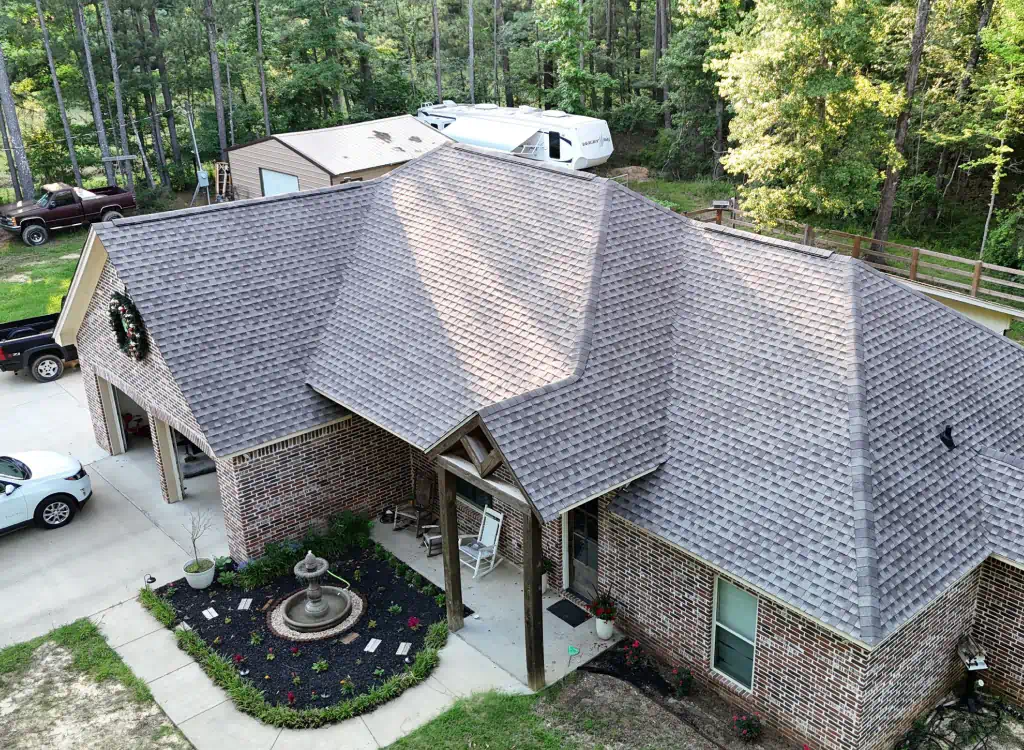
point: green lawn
(48, 274)
(685, 195)
(493, 720)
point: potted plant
(546, 568)
(604, 610)
(199, 571)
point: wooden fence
(974, 278)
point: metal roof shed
(288, 162)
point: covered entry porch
(510, 624)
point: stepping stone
(245, 604)
(183, 626)
(349, 638)
(372, 645)
(403, 649)
(210, 613)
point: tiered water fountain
(317, 607)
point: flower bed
(309, 683)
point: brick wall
(999, 627)
(277, 492)
(911, 670)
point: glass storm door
(583, 548)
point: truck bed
(37, 326)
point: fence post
(914, 255)
(976, 279)
(808, 235)
(718, 216)
(855, 253)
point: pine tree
(17, 153)
(59, 95)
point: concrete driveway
(48, 578)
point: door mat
(568, 612)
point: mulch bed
(644, 675)
(351, 669)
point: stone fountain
(317, 607)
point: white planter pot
(605, 628)
(200, 580)
(544, 583)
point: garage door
(277, 183)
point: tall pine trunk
(231, 100)
(165, 86)
(437, 52)
(497, 28)
(610, 64)
(263, 73)
(472, 61)
(892, 172)
(17, 153)
(149, 95)
(665, 29)
(108, 27)
(94, 97)
(355, 15)
(218, 93)
(142, 152)
(60, 97)
(9, 156)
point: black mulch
(569, 613)
(644, 675)
(380, 588)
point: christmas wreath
(127, 325)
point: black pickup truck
(28, 344)
(62, 207)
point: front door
(583, 550)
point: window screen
(735, 633)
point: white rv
(570, 141)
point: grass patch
(49, 275)
(1016, 331)
(158, 606)
(250, 699)
(489, 719)
(90, 655)
(685, 195)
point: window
(734, 633)
(13, 468)
(472, 494)
(277, 183)
(554, 145)
(64, 198)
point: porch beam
(503, 491)
(492, 462)
(533, 611)
(450, 548)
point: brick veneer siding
(999, 627)
(911, 670)
(278, 492)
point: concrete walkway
(208, 718)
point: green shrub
(682, 681)
(159, 607)
(747, 727)
(228, 578)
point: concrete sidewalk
(208, 718)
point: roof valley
(861, 461)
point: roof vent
(947, 437)
(555, 113)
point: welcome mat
(568, 612)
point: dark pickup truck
(62, 207)
(29, 344)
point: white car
(41, 487)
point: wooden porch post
(533, 614)
(450, 549)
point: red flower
(413, 622)
(295, 649)
(636, 644)
(238, 658)
(291, 697)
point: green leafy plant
(227, 620)
(357, 575)
(747, 727)
(440, 599)
(255, 639)
(371, 624)
(170, 591)
(346, 686)
(296, 680)
(395, 609)
(159, 607)
(378, 672)
(217, 641)
(228, 578)
(223, 563)
(270, 654)
(603, 606)
(428, 590)
(321, 665)
(379, 553)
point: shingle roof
(364, 145)
(235, 295)
(441, 312)
(777, 408)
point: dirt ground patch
(596, 710)
(52, 706)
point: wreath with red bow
(127, 325)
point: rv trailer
(552, 136)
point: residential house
(744, 439)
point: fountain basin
(332, 608)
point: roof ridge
(584, 339)
(861, 460)
(344, 125)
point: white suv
(43, 487)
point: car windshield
(44, 200)
(13, 468)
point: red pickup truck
(62, 207)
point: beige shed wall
(246, 163)
(366, 174)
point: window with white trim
(735, 631)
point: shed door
(278, 183)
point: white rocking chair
(480, 551)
